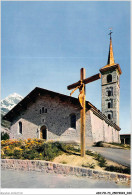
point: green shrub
(16, 154)
(30, 154)
(126, 146)
(92, 165)
(118, 169)
(30, 149)
(4, 136)
(88, 152)
(64, 162)
(51, 150)
(101, 160)
(99, 144)
(11, 154)
(3, 156)
(98, 157)
(76, 150)
(116, 144)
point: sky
(45, 44)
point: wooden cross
(110, 32)
(81, 86)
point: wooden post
(82, 113)
(81, 86)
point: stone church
(50, 115)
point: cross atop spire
(110, 32)
(111, 55)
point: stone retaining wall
(50, 167)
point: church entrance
(43, 132)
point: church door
(43, 132)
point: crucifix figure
(81, 86)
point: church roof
(37, 92)
(111, 62)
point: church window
(109, 105)
(73, 121)
(109, 93)
(20, 127)
(109, 78)
(109, 116)
(42, 109)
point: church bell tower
(111, 87)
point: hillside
(7, 104)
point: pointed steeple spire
(111, 62)
(111, 55)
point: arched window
(73, 121)
(109, 105)
(109, 116)
(20, 127)
(42, 109)
(109, 78)
(109, 93)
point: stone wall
(115, 98)
(50, 167)
(88, 131)
(97, 128)
(57, 122)
(101, 131)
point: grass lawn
(37, 149)
(112, 145)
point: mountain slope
(7, 104)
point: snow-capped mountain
(9, 102)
